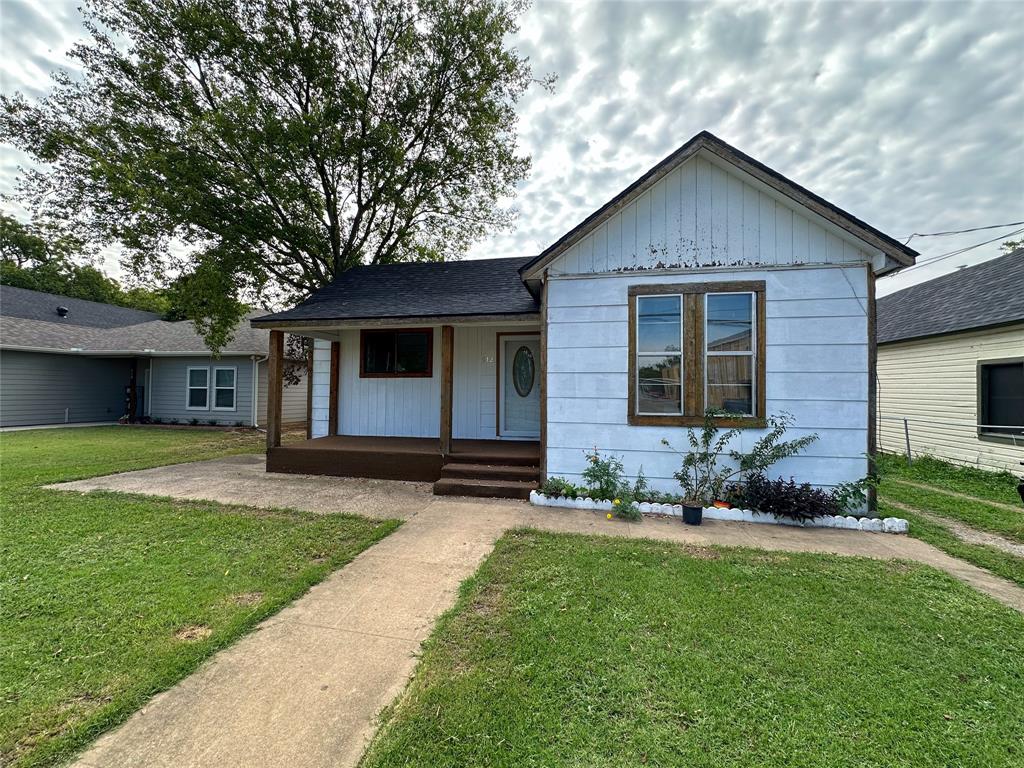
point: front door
(519, 386)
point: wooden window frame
(429, 373)
(982, 409)
(693, 303)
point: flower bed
(870, 524)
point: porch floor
(393, 458)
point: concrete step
(499, 489)
(490, 471)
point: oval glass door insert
(523, 371)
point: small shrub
(559, 486)
(604, 476)
(212, 422)
(172, 421)
(784, 498)
(156, 420)
(194, 422)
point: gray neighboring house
(65, 361)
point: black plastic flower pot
(692, 515)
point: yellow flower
(609, 515)
(617, 502)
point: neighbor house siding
(933, 383)
(816, 370)
(293, 397)
(167, 381)
(36, 388)
(702, 214)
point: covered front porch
(462, 410)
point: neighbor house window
(224, 389)
(396, 353)
(197, 396)
(694, 347)
(1001, 397)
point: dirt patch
(771, 559)
(701, 553)
(84, 702)
(488, 600)
(247, 598)
(193, 632)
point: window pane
(730, 383)
(224, 398)
(197, 398)
(224, 377)
(729, 322)
(1003, 397)
(379, 352)
(413, 353)
(657, 320)
(659, 384)
(197, 377)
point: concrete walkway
(305, 687)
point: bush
(605, 481)
(786, 498)
(194, 422)
(559, 486)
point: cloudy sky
(908, 115)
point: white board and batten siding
(816, 370)
(411, 407)
(701, 214)
(933, 383)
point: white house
(951, 366)
(711, 281)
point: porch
(470, 468)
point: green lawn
(944, 479)
(575, 651)
(109, 598)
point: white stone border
(870, 524)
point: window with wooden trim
(695, 347)
(396, 353)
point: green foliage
(40, 257)
(703, 476)
(559, 486)
(984, 484)
(1009, 246)
(278, 143)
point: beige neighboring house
(951, 362)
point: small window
(1001, 396)
(197, 397)
(697, 347)
(397, 353)
(224, 389)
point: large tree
(258, 148)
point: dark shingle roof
(419, 289)
(990, 293)
(35, 305)
(29, 319)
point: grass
(109, 598)
(574, 651)
(1000, 487)
(943, 479)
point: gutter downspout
(256, 360)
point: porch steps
(501, 489)
(507, 471)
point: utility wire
(940, 257)
(961, 231)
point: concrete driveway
(305, 687)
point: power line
(940, 257)
(961, 231)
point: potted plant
(693, 512)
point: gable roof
(985, 295)
(473, 288)
(29, 321)
(708, 142)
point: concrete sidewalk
(305, 687)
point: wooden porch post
(332, 403)
(274, 376)
(133, 390)
(544, 380)
(447, 366)
(872, 386)
(309, 390)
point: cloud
(908, 115)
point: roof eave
(329, 322)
